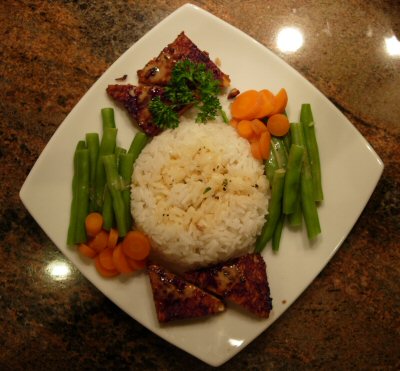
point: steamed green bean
(307, 120)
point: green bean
(93, 144)
(74, 203)
(307, 120)
(107, 116)
(271, 165)
(297, 134)
(274, 210)
(287, 140)
(279, 149)
(82, 188)
(308, 205)
(119, 150)
(115, 187)
(277, 158)
(108, 210)
(102, 199)
(125, 168)
(107, 146)
(224, 116)
(276, 237)
(292, 178)
(296, 218)
(138, 143)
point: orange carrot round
(280, 102)
(255, 150)
(136, 245)
(120, 261)
(266, 105)
(93, 223)
(87, 251)
(112, 238)
(244, 129)
(106, 258)
(246, 105)
(258, 126)
(99, 242)
(278, 125)
(104, 271)
(265, 144)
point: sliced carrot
(245, 129)
(104, 271)
(93, 223)
(258, 126)
(106, 258)
(112, 238)
(246, 105)
(233, 122)
(255, 150)
(120, 261)
(280, 102)
(267, 104)
(87, 251)
(137, 264)
(265, 144)
(136, 245)
(278, 125)
(99, 242)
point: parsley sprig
(190, 84)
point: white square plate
(350, 168)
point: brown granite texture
(51, 52)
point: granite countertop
(53, 51)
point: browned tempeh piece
(153, 78)
(176, 299)
(242, 281)
(158, 71)
(135, 100)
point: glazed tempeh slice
(158, 71)
(242, 281)
(177, 299)
(153, 78)
(135, 100)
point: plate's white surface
(351, 170)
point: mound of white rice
(199, 195)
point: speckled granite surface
(51, 52)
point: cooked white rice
(199, 195)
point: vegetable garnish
(274, 210)
(93, 223)
(106, 248)
(258, 114)
(278, 125)
(306, 117)
(136, 245)
(207, 190)
(100, 208)
(299, 200)
(292, 163)
(191, 84)
(246, 105)
(163, 114)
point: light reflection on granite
(392, 46)
(53, 51)
(289, 39)
(58, 270)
